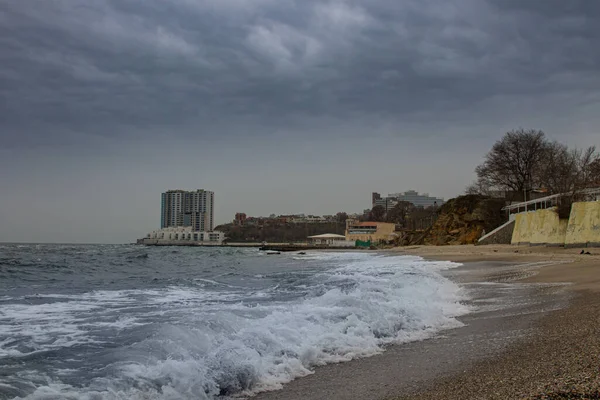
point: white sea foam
(215, 343)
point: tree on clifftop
(399, 213)
(525, 160)
(377, 214)
(514, 163)
(595, 172)
(568, 170)
(341, 217)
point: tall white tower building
(188, 208)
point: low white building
(331, 240)
(184, 234)
(315, 219)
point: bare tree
(559, 172)
(514, 162)
(399, 213)
(422, 218)
(568, 171)
(341, 217)
(589, 166)
(595, 172)
(478, 187)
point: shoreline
(485, 359)
(407, 369)
(558, 265)
(561, 359)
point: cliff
(463, 220)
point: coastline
(561, 359)
(479, 360)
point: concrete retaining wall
(584, 225)
(501, 235)
(542, 227)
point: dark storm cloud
(103, 67)
(106, 103)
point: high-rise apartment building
(374, 197)
(188, 208)
(171, 208)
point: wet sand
(524, 299)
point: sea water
(130, 322)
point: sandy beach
(561, 360)
(536, 335)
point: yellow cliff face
(540, 227)
(584, 224)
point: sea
(132, 322)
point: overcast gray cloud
(372, 95)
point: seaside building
(188, 208)
(331, 240)
(183, 235)
(370, 231)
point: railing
(550, 201)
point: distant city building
(413, 197)
(374, 197)
(188, 208)
(309, 219)
(240, 219)
(387, 203)
(419, 200)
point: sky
(278, 106)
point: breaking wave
(203, 339)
